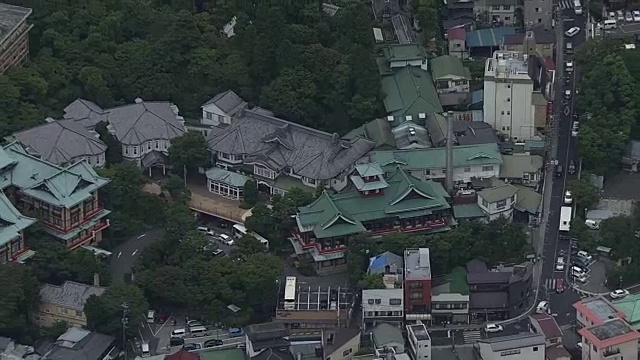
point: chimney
(138, 100)
(449, 170)
(96, 280)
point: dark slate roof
(229, 102)
(489, 277)
(85, 112)
(341, 337)
(474, 132)
(153, 158)
(61, 141)
(266, 331)
(541, 36)
(277, 144)
(492, 300)
(91, 346)
(142, 121)
(476, 265)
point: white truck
(565, 219)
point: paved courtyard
(597, 272)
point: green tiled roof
(435, 158)
(226, 177)
(445, 65)
(497, 193)
(528, 200)
(369, 169)
(64, 187)
(378, 131)
(467, 211)
(343, 213)
(404, 52)
(11, 221)
(410, 91)
(630, 306)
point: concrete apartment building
(538, 14)
(14, 36)
(417, 284)
(382, 305)
(65, 303)
(613, 339)
(595, 311)
(508, 90)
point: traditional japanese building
(373, 204)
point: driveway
(125, 255)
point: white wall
(213, 115)
(526, 353)
(383, 296)
(136, 152)
(451, 84)
(628, 351)
(421, 348)
(400, 64)
(460, 174)
(509, 109)
(494, 212)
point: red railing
(14, 257)
(427, 226)
(317, 246)
(99, 227)
(63, 230)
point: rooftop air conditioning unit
(390, 118)
(408, 118)
(422, 116)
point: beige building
(65, 303)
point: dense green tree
(20, 289)
(250, 193)
(53, 263)
(371, 281)
(189, 151)
(584, 193)
(114, 149)
(55, 330)
(248, 245)
(104, 313)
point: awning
(24, 256)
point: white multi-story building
(523, 346)
(508, 94)
(382, 305)
(613, 339)
(419, 341)
(498, 201)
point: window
(416, 296)
(467, 169)
(378, 301)
(135, 150)
(501, 204)
(506, 7)
(264, 172)
(149, 145)
(15, 246)
(79, 313)
(496, 7)
(370, 301)
(347, 352)
(457, 45)
(487, 168)
(157, 144)
(485, 203)
(538, 10)
(535, 348)
(427, 172)
(209, 115)
(126, 150)
(395, 301)
(507, 18)
(309, 180)
(508, 99)
(444, 171)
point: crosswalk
(471, 336)
(566, 4)
(550, 284)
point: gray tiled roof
(229, 102)
(136, 123)
(85, 112)
(226, 177)
(521, 340)
(71, 295)
(514, 166)
(61, 141)
(277, 144)
(89, 346)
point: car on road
(206, 231)
(620, 15)
(560, 264)
(636, 15)
(592, 224)
(213, 342)
(572, 32)
(568, 66)
(585, 255)
(612, 15)
(567, 81)
(572, 167)
(628, 17)
(559, 286)
(225, 239)
(574, 128)
(194, 323)
(568, 48)
(567, 94)
(543, 307)
(619, 294)
(176, 341)
(568, 198)
(493, 328)
(218, 252)
(192, 346)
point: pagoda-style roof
(343, 213)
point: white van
(576, 271)
(592, 224)
(151, 317)
(585, 255)
(178, 333)
(198, 331)
(610, 24)
(145, 350)
(577, 7)
(543, 307)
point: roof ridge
(302, 127)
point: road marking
(119, 254)
(141, 236)
(134, 253)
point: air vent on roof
(390, 118)
(412, 133)
(49, 120)
(138, 100)
(422, 116)
(408, 117)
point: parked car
(559, 286)
(636, 15)
(582, 278)
(543, 307)
(560, 264)
(585, 255)
(176, 341)
(592, 224)
(612, 15)
(218, 252)
(206, 231)
(567, 94)
(568, 65)
(620, 15)
(192, 346)
(493, 328)
(213, 342)
(568, 47)
(568, 198)
(572, 167)
(572, 32)
(225, 239)
(574, 128)
(619, 294)
(628, 17)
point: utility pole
(125, 323)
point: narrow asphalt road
(124, 256)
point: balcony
(88, 217)
(318, 246)
(103, 224)
(429, 225)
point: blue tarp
(489, 37)
(379, 262)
